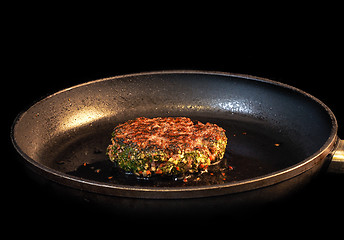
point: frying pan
(279, 137)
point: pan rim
(191, 191)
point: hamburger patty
(166, 146)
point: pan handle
(337, 163)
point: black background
(46, 59)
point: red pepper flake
(223, 174)
(97, 170)
(230, 168)
(277, 144)
(185, 180)
(84, 164)
(244, 133)
(211, 174)
(110, 177)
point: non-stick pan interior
(254, 149)
(269, 126)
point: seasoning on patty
(166, 146)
